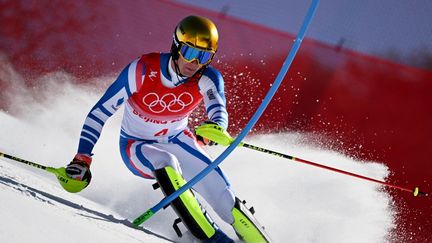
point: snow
(36, 211)
(295, 202)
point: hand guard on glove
(79, 168)
(203, 140)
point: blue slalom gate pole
(284, 69)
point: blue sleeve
(212, 88)
(108, 104)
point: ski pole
(218, 135)
(69, 184)
(415, 191)
(274, 87)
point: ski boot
(246, 226)
(187, 207)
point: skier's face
(188, 69)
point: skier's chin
(189, 72)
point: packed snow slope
(295, 202)
(36, 210)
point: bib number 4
(162, 132)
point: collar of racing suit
(175, 78)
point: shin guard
(246, 226)
(186, 205)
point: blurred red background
(366, 107)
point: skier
(159, 91)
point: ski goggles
(190, 53)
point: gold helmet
(195, 38)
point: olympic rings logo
(168, 102)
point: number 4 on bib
(161, 132)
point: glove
(203, 140)
(79, 168)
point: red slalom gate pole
(416, 191)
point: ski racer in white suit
(159, 91)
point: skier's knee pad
(245, 224)
(186, 205)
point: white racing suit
(154, 138)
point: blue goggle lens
(191, 53)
